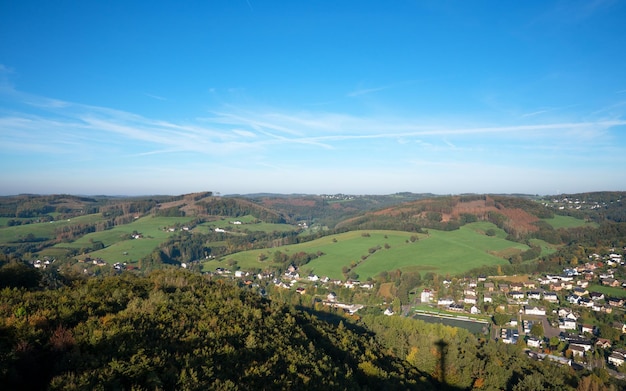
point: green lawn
(443, 252)
(567, 222)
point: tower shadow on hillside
(441, 369)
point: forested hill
(514, 214)
(176, 330)
(520, 216)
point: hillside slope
(180, 331)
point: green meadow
(453, 252)
(249, 223)
(568, 222)
(43, 230)
(118, 248)
(546, 248)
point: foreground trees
(178, 330)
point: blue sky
(359, 97)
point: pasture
(43, 230)
(559, 221)
(119, 248)
(248, 223)
(453, 252)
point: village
(560, 317)
(557, 317)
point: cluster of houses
(575, 203)
(572, 285)
(39, 264)
(291, 279)
(570, 292)
(96, 261)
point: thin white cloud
(534, 113)
(366, 91)
(65, 125)
(157, 97)
(244, 133)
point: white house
(425, 296)
(469, 299)
(534, 310)
(616, 359)
(469, 292)
(577, 351)
(445, 301)
(573, 299)
(586, 328)
(550, 296)
(567, 324)
(517, 295)
(533, 342)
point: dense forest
(178, 330)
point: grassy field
(567, 222)
(5, 220)
(248, 224)
(608, 291)
(119, 248)
(443, 252)
(43, 230)
(546, 248)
